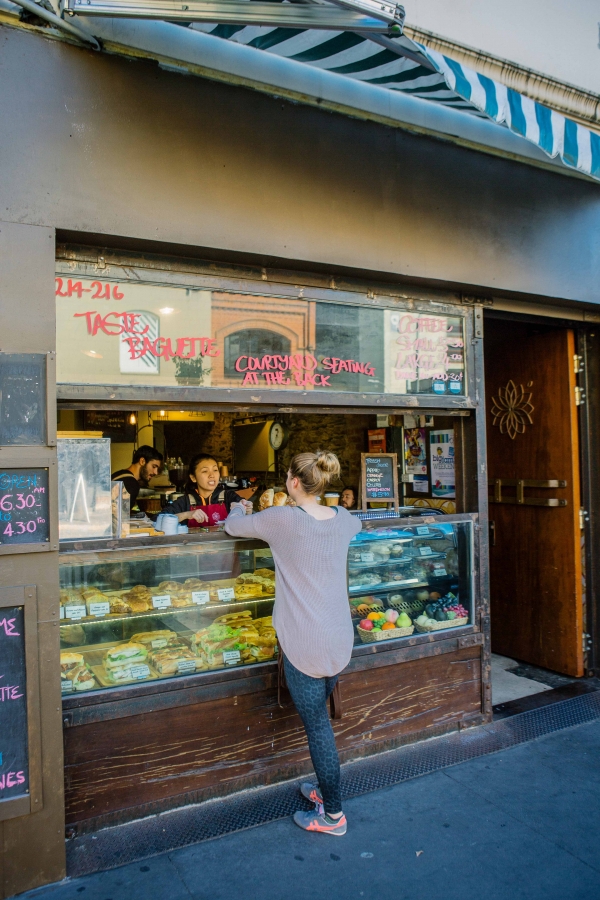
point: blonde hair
(314, 471)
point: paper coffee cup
(170, 524)
(332, 499)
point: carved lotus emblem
(512, 409)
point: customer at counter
(206, 500)
(146, 464)
(310, 544)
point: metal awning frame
(363, 16)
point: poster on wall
(441, 445)
(415, 451)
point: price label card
(439, 572)
(226, 594)
(200, 597)
(66, 686)
(161, 601)
(141, 671)
(75, 612)
(185, 666)
(422, 529)
(159, 643)
(425, 551)
(231, 657)
(99, 609)
(62, 612)
(368, 557)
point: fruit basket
(369, 637)
(449, 623)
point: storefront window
(256, 342)
(129, 333)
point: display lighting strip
(369, 16)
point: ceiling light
(166, 310)
(92, 353)
(133, 419)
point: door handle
(493, 534)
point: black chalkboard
(379, 478)
(22, 398)
(24, 517)
(14, 750)
(112, 423)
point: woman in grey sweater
(309, 543)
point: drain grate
(122, 844)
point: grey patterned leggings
(310, 697)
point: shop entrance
(536, 589)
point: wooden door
(535, 550)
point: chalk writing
(23, 506)
(14, 765)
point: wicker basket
(369, 637)
(449, 623)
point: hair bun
(328, 463)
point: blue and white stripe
(451, 84)
(577, 147)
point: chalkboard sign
(379, 478)
(24, 516)
(22, 398)
(14, 749)
(112, 423)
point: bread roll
(266, 499)
(280, 498)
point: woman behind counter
(310, 543)
(206, 498)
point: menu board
(379, 478)
(14, 752)
(24, 516)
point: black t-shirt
(130, 483)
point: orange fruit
(387, 626)
(373, 616)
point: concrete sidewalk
(521, 824)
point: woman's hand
(198, 516)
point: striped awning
(400, 64)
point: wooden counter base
(140, 764)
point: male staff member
(146, 463)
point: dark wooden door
(535, 550)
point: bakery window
(406, 579)
(161, 610)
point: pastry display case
(410, 578)
(163, 608)
(142, 609)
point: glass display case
(413, 578)
(169, 606)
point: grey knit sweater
(311, 614)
